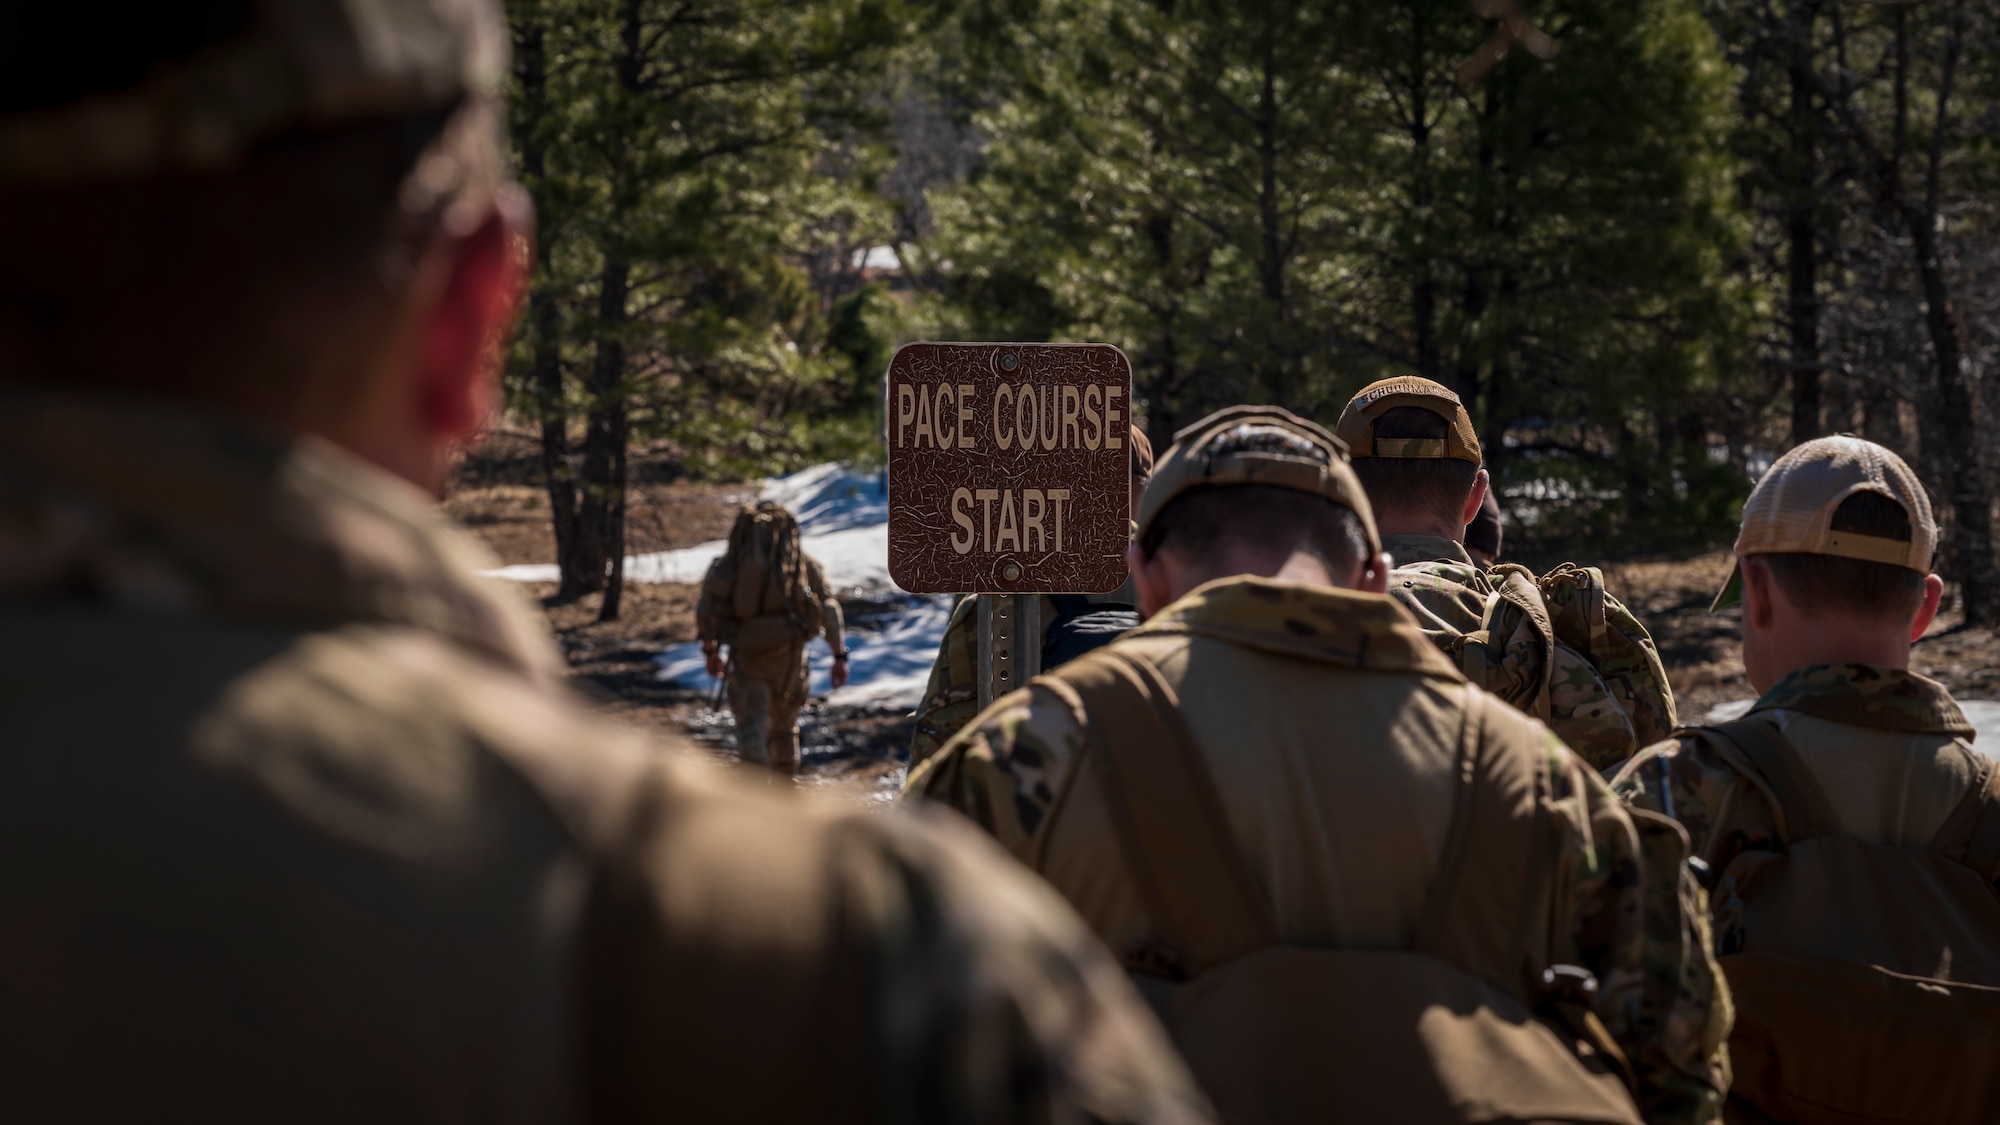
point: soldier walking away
(1072, 624)
(300, 821)
(1556, 645)
(1357, 887)
(766, 599)
(1853, 831)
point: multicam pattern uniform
(951, 697)
(767, 690)
(289, 782)
(1632, 914)
(1889, 748)
(1439, 583)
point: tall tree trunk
(600, 547)
(1802, 236)
(1424, 295)
(544, 317)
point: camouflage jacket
(1608, 693)
(1890, 749)
(1329, 726)
(951, 697)
(300, 823)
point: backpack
(1281, 1033)
(760, 583)
(1082, 626)
(1866, 976)
(1560, 648)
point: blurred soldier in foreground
(1357, 887)
(1071, 625)
(1854, 831)
(299, 821)
(766, 598)
(1558, 645)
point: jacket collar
(1407, 549)
(1330, 625)
(127, 501)
(1866, 696)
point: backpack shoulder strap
(1801, 805)
(1971, 835)
(1205, 906)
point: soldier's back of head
(301, 820)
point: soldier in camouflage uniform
(1334, 736)
(951, 698)
(1833, 576)
(300, 820)
(1416, 452)
(769, 686)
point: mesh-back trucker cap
(1256, 445)
(1357, 423)
(1791, 509)
(194, 90)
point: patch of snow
(843, 522)
(1983, 714)
(877, 258)
(887, 668)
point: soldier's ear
(1758, 593)
(1480, 483)
(1927, 612)
(474, 310)
(1375, 574)
(1151, 580)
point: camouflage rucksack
(1866, 976)
(759, 585)
(1558, 647)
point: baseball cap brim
(1732, 590)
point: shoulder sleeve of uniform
(897, 967)
(1633, 915)
(1682, 779)
(1006, 769)
(951, 698)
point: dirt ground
(497, 492)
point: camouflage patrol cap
(1357, 423)
(1264, 445)
(200, 85)
(1791, 509)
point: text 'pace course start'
(1008, 467)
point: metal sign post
(1010, 650)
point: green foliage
(1282, 201)
(688, 160)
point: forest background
(1652, 243)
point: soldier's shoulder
(949, 940)
(397, 740)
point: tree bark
(1802, 235)
(544, 318)
(600, 547)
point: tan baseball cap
(1357, 423)
(1791, 509)
(1264, 445)
(199, 102)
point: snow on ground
(887, 667)
(1983, 714)
(843, 521)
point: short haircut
(1196, 524)
(1434, 486)
(248, 287)
(1829, 584)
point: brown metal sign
(1009, 468)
